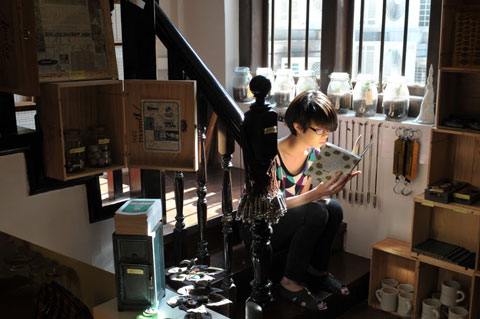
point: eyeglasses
(319, 131)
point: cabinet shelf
(457, 131)
(455, 207)
(443, 264)
(89, 171)
(460, 69)
(394, 247)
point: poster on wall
(161, 125)
(74, 40)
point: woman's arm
(333, 186)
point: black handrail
(219, 99)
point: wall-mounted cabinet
(149, 124)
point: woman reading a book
(308, 228)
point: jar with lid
(365, 96)
(98, 149)
(241, 81)
(339, 91)
(74, 151)
(284, 87)
(306, 81)
(268, 73)
(396, 99)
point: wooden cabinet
(78, 105)
(454, 155)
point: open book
(333, 159)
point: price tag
(460, 210)
(428, 203)
(77, 75)
(104, 141)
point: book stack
(138, 217)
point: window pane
(299, 19)
(393, 47)
(417, 44)
(281, 35)
(372, 29)
(315, 36)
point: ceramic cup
(405, 288)
(431, 309)
(457, 313)
(451, 294)
(405, 304)
(388, 282)
(388, 298)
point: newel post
(262, 204)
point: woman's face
(314, 135)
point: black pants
(307, 232)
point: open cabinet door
(18, 55)
(161, 124)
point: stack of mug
(449, 297)
(395, 297)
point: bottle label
(104, 141)
(77, 150)
(368, 96)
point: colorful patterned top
(292, 185)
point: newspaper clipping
(161, 125)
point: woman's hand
(334, 185)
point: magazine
(333, 159)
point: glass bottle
(306, 81)
(98, 150)
(339, 91)
(268, 73)
(396, 99)
(284, 87)
(74, 151)
(241, 81)
(365, 96)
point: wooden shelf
(455, 207)
(457, 131)
(27, 103)
(395, 314)
(89, 171)
(460, 69)
(443, 264)
(395, 247)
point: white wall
(57, 220)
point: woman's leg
(324, 244)
(300, 230)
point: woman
(312, 219)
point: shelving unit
(454, 155)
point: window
(395, 43)
(294, 34)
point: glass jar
(241, 81)
(306, 81)
(268, 73)
(396, 99)
(365, 96)
(98, 150)
(339, 91)
(74, 151)
(284, 87)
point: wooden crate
(391, 258)
(429, 280)
(82, 104)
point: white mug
(457, 313)
(450, 293)
(405, 288)
(388, 282)
(405, 304)
(388, 298)
(431, 309)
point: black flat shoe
(303, 298)
(329, 283)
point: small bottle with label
(365, 96)
(74, 151)
(98, 150)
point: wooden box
(46, 41)
(81, 104)
(430, 280)
(391, 258)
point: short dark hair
(311, 107)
